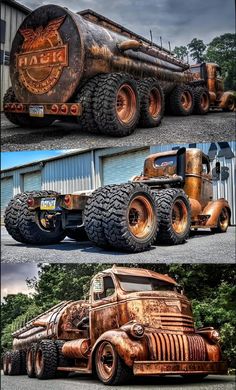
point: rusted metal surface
(197, 184)
(152, 331)
(176, 368)
(63, 109)
(209, 74)
(78, 349)
(55, 50)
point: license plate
(36, 111)
(48, 204)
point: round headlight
(137, 330)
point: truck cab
(210, 75)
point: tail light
(64, 109)
(67, 200)
(74, 109)
(30, 202)
(55, 108)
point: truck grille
(174, 322)
(176, 347)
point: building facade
(90, 169)
(12, 15)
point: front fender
(224, 99)
(128, 348)
(214, 209)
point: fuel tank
(59, 322)
(55, 51)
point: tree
(181, 52)
(222, 50)
(197, 48)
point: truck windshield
(138, 283)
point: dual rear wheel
(133, 217)
(116, 104)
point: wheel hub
(140, 217)
(126, 104)
(154, 103)
(179, 216)
(186, 100)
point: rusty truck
(173, 195)
(85, 68)
(135, 322)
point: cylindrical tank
(59, 322)
(77, 349)
(55, 51)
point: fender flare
(224, 98)
(214, 209)
(129, 349)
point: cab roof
(139, 272)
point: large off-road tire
(32, 230)
(223, 222)
(46, 360)
(116, 105)
(30, 361)
(6, 358)
(131, 219)
(14, 364)
(24, 119)
(152, 102)
(11, 217)
(175, 216)
(110, 368)
(23, 362)
(201, 101)
(230, 104)
(85, 97)
(62, 361)
(94, 214)
(181, 100)
(78, 234)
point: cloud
(13, 277)
(177, 21)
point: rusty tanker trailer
(86, 67)
(136, 322)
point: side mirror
(98, 285)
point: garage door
(121, 167)
(6, 193)
(32, 181)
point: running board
(75, 369)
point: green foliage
(196, 48)
(222, 50)
(181, 52)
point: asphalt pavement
(202, 247)
(75, 381)
(215, 126)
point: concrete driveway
(215, 126)
(202, 247)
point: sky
(177, 21)
(13, 277)
(12, 159)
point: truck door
(104, 310)
(206, 190)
